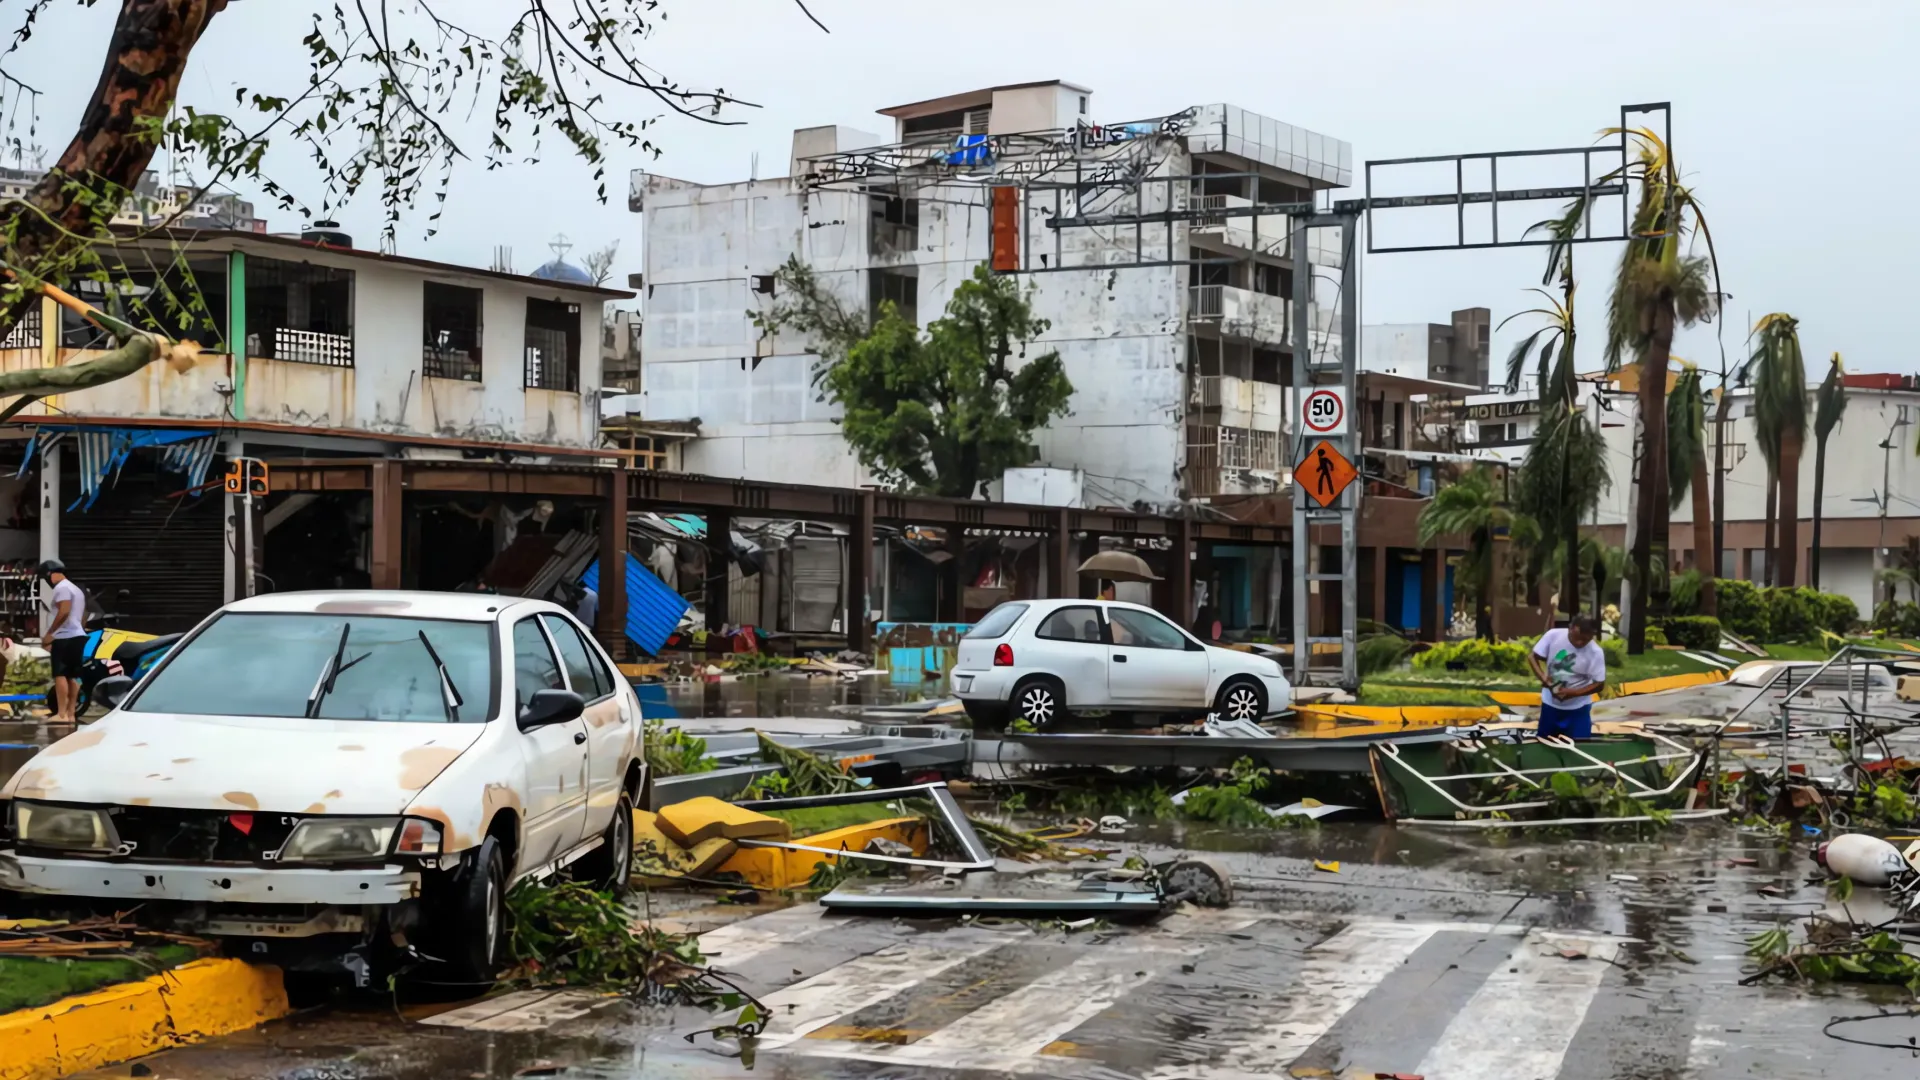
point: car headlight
(348, 839)
(70, 828)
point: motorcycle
(110, 650)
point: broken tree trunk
(114, 144)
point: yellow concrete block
(696, 821)
(1672, 682)
(1515, 699)
(214, 997)
(658, 858)
(779, 868)
(115, 1024)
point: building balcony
(1243, 314)
(1267, 235)
(1233, 402)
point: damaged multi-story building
(1179, 368)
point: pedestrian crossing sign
(1324, 473)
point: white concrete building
(1870, 463)
(1178, 369)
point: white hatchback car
(1036, 660)
(379, 764)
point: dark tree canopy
(942, 412)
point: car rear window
(997, 622)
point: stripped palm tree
(1472, 507)
(1566, 470)
(1829, 403)
(1657, 290)
(1687, 470)
(1778, 373)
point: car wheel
(609, 867)
(476, 929)
(988, 716)
(1241, 699)
(1039, 702)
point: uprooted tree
(371, 111)
(941, 412)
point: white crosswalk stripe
(1517, 1025)
(1520, 1023)
(841, 991)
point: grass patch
(1376, 693)
(1655, 663)
(814, 820)
(27, 982)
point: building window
(299, 312)
(901, 290)
(553, 345)
(896, 224)
(25, 333)
(452, 321)
(1083, 104)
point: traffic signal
(247, 476)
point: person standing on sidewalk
(1571, 668)
(66, 638)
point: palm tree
(1566, 470)
(1779, 376)
(1828, 405)
(1687, 469)
(1472, 507)
(1657, 290)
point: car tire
(609, 867)
(1241, 699)
(987, 716)
(475, 938)
(1040, 701)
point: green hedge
(1695, 632)
(1901, 620)
(1781, 614)
(1743, 609)
(1506, 657)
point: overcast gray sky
(1790, 119)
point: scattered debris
(1330, 866)
(1867, 860)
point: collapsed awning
(103, 451)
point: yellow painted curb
(120, 1023)
(1671, 682)
(1407, 715)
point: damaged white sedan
(383, 765)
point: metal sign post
(1325, 390)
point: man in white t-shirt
(1570, 667)
(66, 636)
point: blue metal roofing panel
(653, 610)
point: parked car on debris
(1037, 660)
(384, 765)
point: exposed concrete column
(719, 554)
(860, 576)
(49, 528)
(230, 550)
(1433, 568)
(388, 512)
(1181, 568)
(611, 624)
(1060, 585)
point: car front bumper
(206, 884)
(1279, 693)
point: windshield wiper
(449, 693)
(330, 674)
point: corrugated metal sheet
(653, 610)
(165, 549)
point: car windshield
(330, 667)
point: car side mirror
(112, 690)
(550, 707)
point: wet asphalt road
(1444, 956)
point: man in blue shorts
(1570, 667)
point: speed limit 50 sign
(1324, 411)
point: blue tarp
(653, 610)
(104, 450)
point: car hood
(1233, 661)
(278, 764)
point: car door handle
(579, 737)
(1120, 659)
